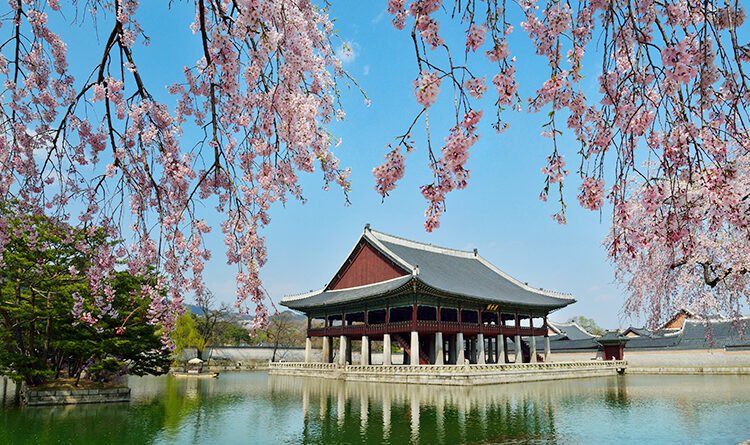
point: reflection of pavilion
(440, 306)
(345, 412)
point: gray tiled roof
(573, 331)
(454, 272)
(699, 334)
(643, 332)
(324, 297)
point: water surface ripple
(255, 408)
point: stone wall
(250, 354)
(33, 397)
(676, 358)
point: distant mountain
(195, 310)
(296, 316)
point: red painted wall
(616, 352)
(365, 266)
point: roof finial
(476, 251)
(367, 227)
(415, 272)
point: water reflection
(616, 395)
(601, 410)
(260, 409)
(420, 413)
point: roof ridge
(295, 297)
(548, 293)
(419, 244)
(719, 320)
(377, 236)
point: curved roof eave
(484, 299)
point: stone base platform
(466, 375)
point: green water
(255, 408)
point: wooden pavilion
(442, 306)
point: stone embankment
(37, 397)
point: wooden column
(414, 318)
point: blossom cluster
(263, 91)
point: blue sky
(499, 213)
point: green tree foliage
(588, 324)
(186, 335)
(40, 339)
(230, 333)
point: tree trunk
(32, 324)
(48, 328)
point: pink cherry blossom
(427, 88)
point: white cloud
(378, 18)
(366, 70)
(347, 52)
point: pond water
(255, 408)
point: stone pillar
(490, 350)
(414, 349)
(387, 349)
(326, 349)
(547, 351)
(452, 351)
(348, 352)
(460, 348)
(342, 350)
(480, 349)
(532, 339)
(308, 349)
(439, 352)
(365, 353)
(500, 356)
(519, 353)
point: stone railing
(436, 369)
(300, 365)
(456, 369)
